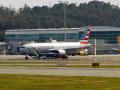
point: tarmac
(64, 71)
(9, 57)
(98, 72)
(89, 57)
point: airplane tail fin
(52, 40)
(85, 36)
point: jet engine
(62, 52)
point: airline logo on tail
(85, 36)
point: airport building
(106, 37)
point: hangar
(106, 37)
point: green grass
(37, 82)
(60, 65)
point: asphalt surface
(100, 72)
(89, 57)
(64, 71)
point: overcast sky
(20, 3)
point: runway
(61, 71)
(100, 72)
(89, 57)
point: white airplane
(58, 49)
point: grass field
(77, 63)
(37, 82)
(57, 64)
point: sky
(20, 3)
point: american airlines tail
(86, 35)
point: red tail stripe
(85, 38)
(84, 42)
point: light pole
(65, 24)
(95, 46)
(65, 21)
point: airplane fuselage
(43, 47)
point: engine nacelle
(57, 53)
(62, 52)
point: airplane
(58, 49)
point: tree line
(94, 13)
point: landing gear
(64, 56)
(26, 56)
